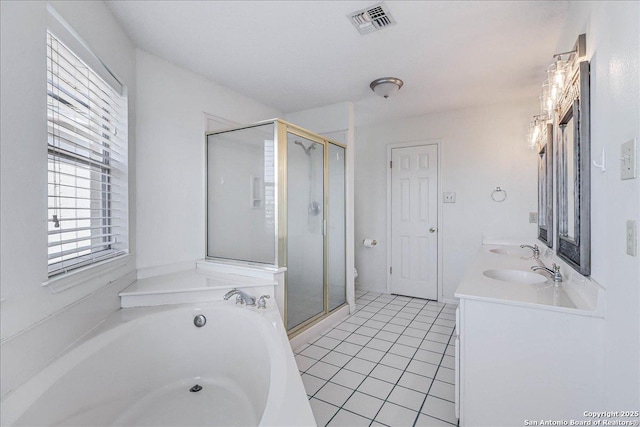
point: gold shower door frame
(282, 128)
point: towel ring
(499, 195)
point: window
(87, 162)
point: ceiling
(296, 55)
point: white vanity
(526, 349)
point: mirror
(573, 163)
(545, 186)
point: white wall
(613, 48)
(35, 323)
(481, 149)
(170, 167)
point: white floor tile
(421, 325)
(400, 321)
(327, 342)
(358, 339)
(376, 387)
(443, 390)
(394, 415)
(387, 336)
(348, 348)
(415, 333)
(379, 344)
(388, 311)
(403, 315)
(366, 331)
(448, 362)
(349, 327)
(345, 418)
(314, 352)
(395, 361)
(337, 359)
(334, 394)
(337, 334)
(406, 397)
(436, 347)
(363, 404)
(304, 362)
(348, 378)
(361, 366)
(417, 367)
(441, 329)
(427, 421)
(386, 373)
(323, 370)
(428, 356)
(382, 317)
(356, 320)
(312, 384)
(410, 341)
(374, 324)
(439, 408)
(402, 350)
(322, 411)
(370, 354)
(446, 375)
(393, 328)
(415, 382)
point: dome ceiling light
(386, 86)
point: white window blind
(87, 163)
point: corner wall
(170, 167)
(481, 149)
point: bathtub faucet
(241, 297)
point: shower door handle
(324, 227)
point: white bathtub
(139, 367)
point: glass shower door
(305, 230)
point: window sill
(74, 278)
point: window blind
(87, 163)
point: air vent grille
(371, 19)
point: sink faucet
(241, 297)
(535, 249)
(555, 273)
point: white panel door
(414, 221)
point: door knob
(432, 230)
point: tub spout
(242, 297)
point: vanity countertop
(574, 295)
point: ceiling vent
(371, 19)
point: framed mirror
(573, 170)
(545, 186)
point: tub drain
(196, 388)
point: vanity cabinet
(528, 349)
(517, 364)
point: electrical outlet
(632, 237)
(533, 217)
(628, 161)
(449, 197)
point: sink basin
(518, 276)
(512, 251)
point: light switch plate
(628, 160)
(632, 238)
(449, 197)
(533, 217)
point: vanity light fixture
(554, 87)
(386, 86)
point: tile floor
(391, 363)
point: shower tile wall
(391, 363)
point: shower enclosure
(276, 197)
